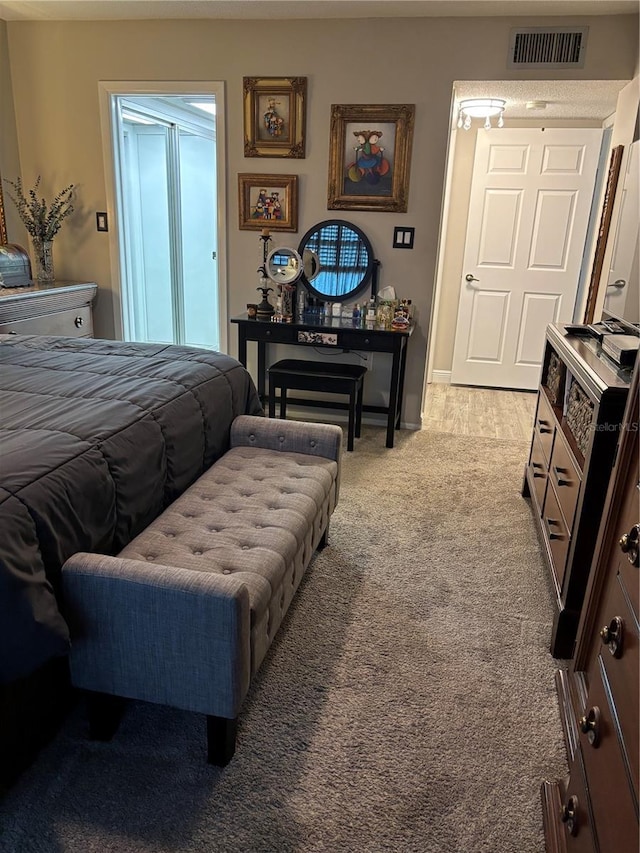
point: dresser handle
(569, 815)
(590, 726)
(78, 322)
(560, 480)
(612, 636)
(629, 544)
(545, 426)
(549, 522)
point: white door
(531, 195)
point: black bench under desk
(332, 378)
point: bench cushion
(257, 514)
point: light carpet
(407, 704)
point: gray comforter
(96, 438)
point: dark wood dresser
(54, 308)
(581, 401)
(596, 808)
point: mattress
(96, 439)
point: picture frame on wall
(370, 156)
(268, 201)
(274, 116)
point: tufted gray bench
(185, 614)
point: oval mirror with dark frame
(338, 262)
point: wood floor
(484, 412)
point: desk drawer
(280, 333)
(368, 340)
(74, 323)
(566, 478)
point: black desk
(342, 334)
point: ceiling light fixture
(485, 108)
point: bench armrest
(314, 439)
(158, 633)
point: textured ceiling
(17, 10)
(570, 99)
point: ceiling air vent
(547, 47)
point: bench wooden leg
(105, 712)
(324, 540)
(283, 402)
(272, 401)
(221, 740)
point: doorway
(166, 235)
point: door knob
(619, 283)
(468, 277)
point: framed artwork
(274, 116)
(268, 201)
(603, 231)
(370, 156)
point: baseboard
(441, 377)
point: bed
(96, 438)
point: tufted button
(197, 553)
(252, 436)
(245, 547)
(312, 443)
(280, 438)
(258, 527)
(150, 557)
(170, 535)
(226, 571)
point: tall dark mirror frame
(338, 262)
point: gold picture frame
(370, 156)
(268, 201)
(274, 116)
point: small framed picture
(370, 157)
(268, 201)
(274, 116)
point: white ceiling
(567, 99)
(100, 10)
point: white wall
(56, 66)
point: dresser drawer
(578, 833)
(76, 322)
(369, 340)
(538, 471)
(566, 478)
(544, 424)
(621, 670)
(612, 803)
(556, 533)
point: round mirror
(340, 259)
(283, 266)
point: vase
(43, 260)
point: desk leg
(262, 368)
(393, 396)
(403, 365)
(242, 346)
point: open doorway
(573, 104)
(165, 152)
